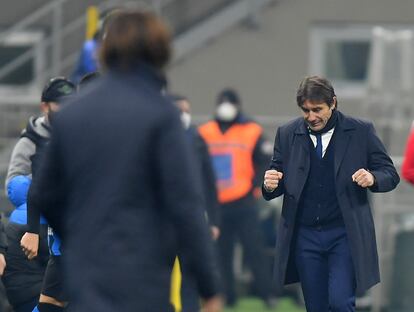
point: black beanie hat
(229, 95)
(56, 89)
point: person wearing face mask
(324, 163)
(23, 278)
(189, 295)
(238, 152)
(204, 163)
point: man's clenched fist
(271, 179)
(363, 178)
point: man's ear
(334, 103)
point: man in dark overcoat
(117, 182)
(324, 164)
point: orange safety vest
(232, 155)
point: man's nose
(311, 116)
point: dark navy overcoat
(357, 146)
(118, 185)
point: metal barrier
(54, 10)
(63, 57)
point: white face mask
(226, 111)
(186, 120)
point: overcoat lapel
(300, 162)
(343, 134)
(301, 139)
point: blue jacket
(22, 278)
(17, 190)
(88, 61)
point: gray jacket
(20, 162)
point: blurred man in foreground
(117, 182)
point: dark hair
(132, 37)
(229, 95)
(87, 79)
(316, 90)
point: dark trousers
(241, 222)
(325, 268)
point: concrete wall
(17, 10)
(13, 11)
(267, 64)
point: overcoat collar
(144, 75)
(343, 133)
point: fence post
(57, 38)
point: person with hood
(28, 149)
(25, 161)
(23, 277)
(238, 150)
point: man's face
(316, 115)
(49, 108)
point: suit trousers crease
(324, 263)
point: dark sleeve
(407, 169)
(46, 194)
(33, 212)
(380, 164)
(261, 160)
(180, 192)
(3, 240)
(277, 164)
(209, 182)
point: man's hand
(214, 304)
(30, 244)
(215, 232)
(363, 178)
(271, 180)
(2, 264)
